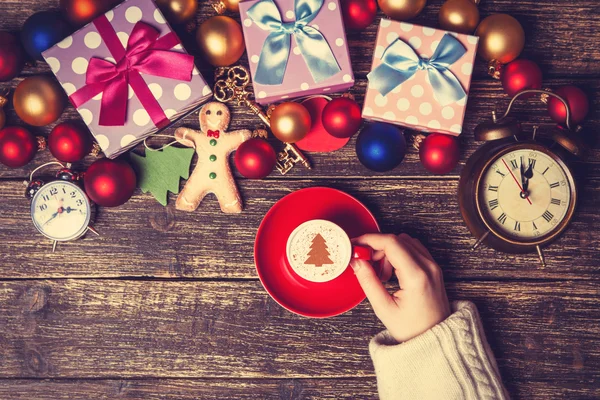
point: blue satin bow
(400, 62)
(276, 50)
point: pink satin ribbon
(146, 53)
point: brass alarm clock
(516, 193)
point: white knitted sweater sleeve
(452, 360)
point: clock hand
(69, 209)
(51, 218)
(517, 182)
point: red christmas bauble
(80, 12)
(342, 117)
(255, 158)
(358, 14)
(17, 146)
(110, 183)
(439, 153)
(519, 75)
(69, 142)
(576, 99)
(12, 57)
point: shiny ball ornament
(178, 11)
(439, 153)
(110, 183)
(381, 147)
(80, 12)
(401, 10)
(221, 40)
(290, 122)
(255, 158)
(358, 14)
(227, 5)
(576, 99)
(12, 57)
(69, 142)
(501, 38)
(17, 146)
(39, 100)
(460, 16)
(520, 75)
(342, 117)
(42, 31)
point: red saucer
(317, 300)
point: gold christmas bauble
(221, 40)
(178, 11)
(229, 5)
(39, 100)
(460, 16)
(501, 38)
(401, 10)
(290, 122)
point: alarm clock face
(525, 194)
(61, 211)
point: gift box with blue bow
(420, 77)
(295, 48)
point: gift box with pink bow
(128, 75)
(420, 77)
(296, 48)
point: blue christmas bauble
(381, 147)
(42, 31)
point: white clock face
(524, 194)
(61, 211)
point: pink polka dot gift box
(128, 75)
(420, 77)
(295, 48)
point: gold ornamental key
(231, 85)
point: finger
(397, 252)
(422, 249)
(386, 270)
(426, 261)
(382, 302)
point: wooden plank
(544, 331)
(249, 389)
(486, 96)
(142, 238)
(563, 39)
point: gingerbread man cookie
(213, 146)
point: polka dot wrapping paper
(69, 61)
(297, 78)
(413, 103)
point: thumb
(382, 302)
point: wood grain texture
(248, 389)
(136, 329)
(142, 238)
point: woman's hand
(421, 303)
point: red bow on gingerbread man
(214, 134)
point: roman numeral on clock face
(556, 202)
(534, 225)
(532, 162)
(493, 204)
(499, 172)
(554, 185)
(514, 164)
(502, 218)
(517, 226)
(493, 188)
(548, 216)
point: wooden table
(167, 305)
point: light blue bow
(276, 50)
(400, 62)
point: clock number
(79, 202)
(548, 216)
(43, 207)
(46, 197)
(517, 226)
(514, 164)
(534, 225)
(73, 194)
(54, 191)
(501, 174)
(502, 218)
(556, 202)
(493, 204)
(546, 170)
(64, 190)
(532, 162)
(493, 188)
(554, 185)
